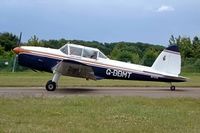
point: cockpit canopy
(82, 51)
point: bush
(191, 65)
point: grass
(99, 114)
(103, 114)
(39, 79)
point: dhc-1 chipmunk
(90, 63)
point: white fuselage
(108, 63)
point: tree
(149, 57)
(8, 41)
(1, 51)
(196, 47)
(128, 57)
(34, 41)
(172, 40)
(51, 44)
(125, 52)
(184, 44)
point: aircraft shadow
(75, 90)
(113, 90)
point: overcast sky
(101, 20)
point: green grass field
(99, 114)
(103, 114)
(40, 79)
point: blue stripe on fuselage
(46, 64)
(37, 62)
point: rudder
(169, 61)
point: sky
(101, 20)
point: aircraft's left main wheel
(172, 88)
(51, 86)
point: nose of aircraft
(17, 50)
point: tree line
(139, 53)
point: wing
(74, 69)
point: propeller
(16, 55)
(19, 40)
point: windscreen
(89, 53)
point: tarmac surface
(152, 92)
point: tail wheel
(51, 86)
(172, 88)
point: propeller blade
(16, 56)
(19, 41)
(14, 62)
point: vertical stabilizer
(169, 61)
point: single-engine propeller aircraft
(90, 63)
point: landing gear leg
(52, 84)
(172, 87)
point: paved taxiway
(153, 92)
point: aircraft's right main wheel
(172, 88)
(51, 86)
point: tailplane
(169, 61)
